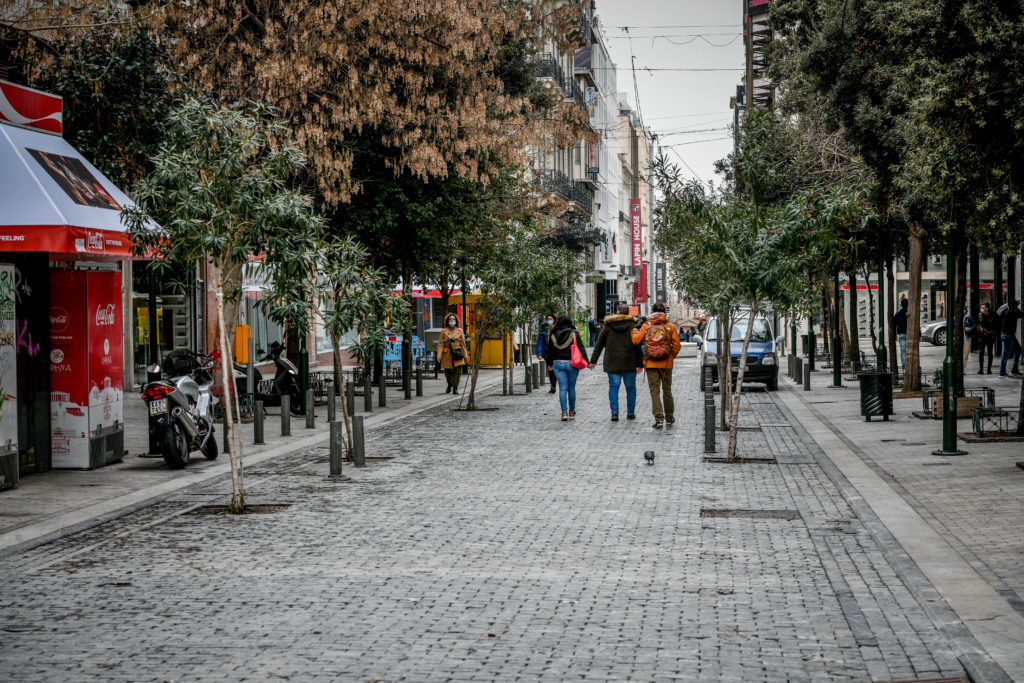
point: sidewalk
(959, 520)
(56, 503)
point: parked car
(934, 332)
(762, 359)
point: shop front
(62, 256)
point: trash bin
(875, 394)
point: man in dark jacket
(622, 360)
(900, 323)
(1008, 335)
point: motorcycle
(181, 407)
(286, 380)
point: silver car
(934, 331)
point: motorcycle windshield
(289, 366)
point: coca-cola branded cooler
(86, 399)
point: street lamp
(949, 363)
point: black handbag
(457, 353)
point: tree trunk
(478, 348)
(826, 320)
(237, 504)
(890, 312)
(734, 422)
(725, 368)
(854, 325)
(504, 366)
(912, 376)
(339, 381)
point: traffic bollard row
(257, 422)
(358, 442)
(336, 449)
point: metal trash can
(875, 394)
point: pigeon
(649, 457)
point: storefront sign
(28, 108)
(8, 364)
(106, 395)
(755, 7)
(640, 292)
(637, 232)
(660, 293)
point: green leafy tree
(221, 193)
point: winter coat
(560, 344)
(451, 337)
(1008, 321)
(621, 355)
(542, 345)
(988, 326)
(900, 321)
(638, 339)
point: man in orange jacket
(660, 341)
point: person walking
(970, 336)
(452, 352)
(900, 323)
(988, 328)
(1008, 336)
(659, 340)
(622, 360)
(542, 350)
(559, 355)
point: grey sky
(680, 105)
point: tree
(221, 193)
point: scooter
(181, 407)
(286, 380)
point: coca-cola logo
(56, 356)
(58, 319)
(105, 315)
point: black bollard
(310, 410)
(367, 394)
(529, 377)
(336, 448)
(382, 391)
(543, 371)
(807, 376)
(286, 415)
(536, 374)
(358, 442)
(350, 399)
(257, 422)
(419, 380)
(709, 426)
(799, 376)
(331, 403)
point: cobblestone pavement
(496, 545)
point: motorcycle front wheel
(175, 447)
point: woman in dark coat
(622, 360)
(542, 349)
(559, 353)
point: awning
(53, 200)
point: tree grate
(740, 461)
(267, 509)
(957, 679)
(787, 515)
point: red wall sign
(28, 108)
(638, 233)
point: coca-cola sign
(58, 319)
(106, 315)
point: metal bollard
(350, 398)
(529, 377)
(225, 444)
(331, 407)
(336, 448)
(543, 373)
(382, 392)
(709, 426)
(407, 386)
(367, 394)
(807, 377)
(799, 371)
(286, 415)
(536, 374)
(419, 381)
(358, 442)
(310, 410)
(257, 422)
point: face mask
(549, 322)
(451, 323)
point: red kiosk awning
(51, 198)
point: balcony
(548, 67)
(556, 182)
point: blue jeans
(1010, 349)
(614, 380)
(566, 375)
(903, 350)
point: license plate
(158, 407)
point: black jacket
(620, 353)
(560, 344)
(1008, 321)
(988, 326)
(901, 321)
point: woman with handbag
(566, 356)
(452, 352)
